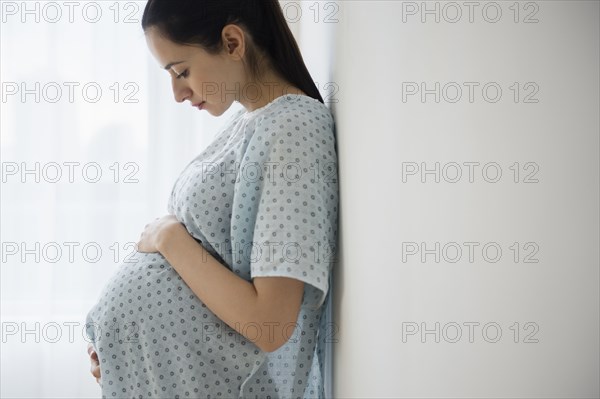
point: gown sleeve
(297, 199)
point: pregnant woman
(225, 296)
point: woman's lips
(200, 106)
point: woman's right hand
(95, 368)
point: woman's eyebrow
(171, 64)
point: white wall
(377, 294)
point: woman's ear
(234, 41)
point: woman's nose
(181, 91)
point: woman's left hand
(155, 232)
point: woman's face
(197, 76)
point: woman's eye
(183, 74)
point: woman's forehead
(165, 51)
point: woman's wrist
(173, 232)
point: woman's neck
(261, 92)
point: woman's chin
(216, 110)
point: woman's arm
(265, 311)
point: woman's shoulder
(296, 111)
(300, 104)
(297, 128)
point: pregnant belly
(154, 336)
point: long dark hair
(200, 22)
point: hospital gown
(262, 198)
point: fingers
(95, 363)
(92, 352)
(95, 370)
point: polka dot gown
(262, 198)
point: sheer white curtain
(91, 143)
